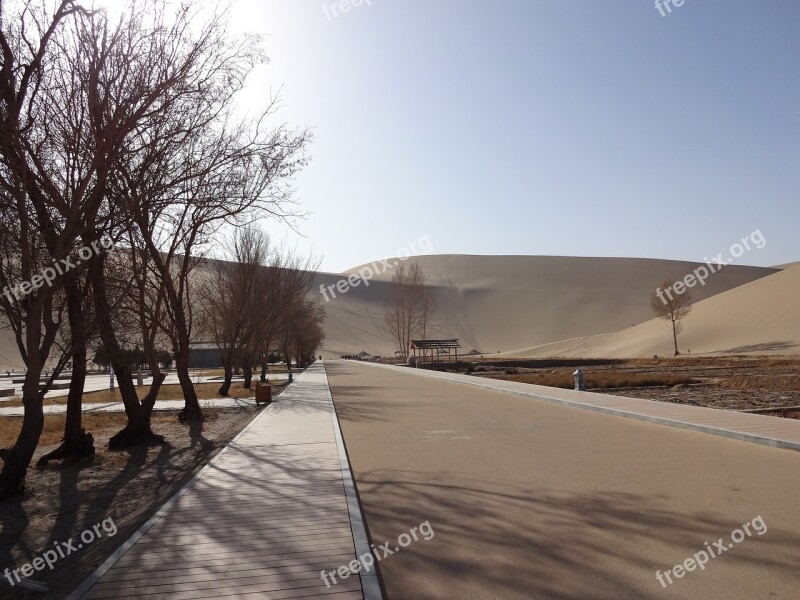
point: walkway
(271, 511)
(532, 499)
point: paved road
(533, 500)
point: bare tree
(77, 443)
(231, 298)
(87, 105)
(198, 166)
(141, 309)
(672, 307)
(259, 297)
(290, 279)
(47, 191)
(410, 307)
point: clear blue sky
(541, 127)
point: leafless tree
(142, 302)
(203, 168)
(290, 277)
(49, 186)
(410, 307)
(232, 295)
(672, 307)
(74, 337)
(260, 296)
(88, 105)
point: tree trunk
(675, 337)
(247, 368)
(17, 460)
(149, 401)
(287, 354)
(191, 413)
(226, 383)
(137, 431)
(264, 368)
(77, 443)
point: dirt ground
(763, 384)
(60, 503)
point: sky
(538, 127)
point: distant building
(204, 355)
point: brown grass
(53, 431)
(221, 372)
(775, 382)
(205, 391)
(597, 380)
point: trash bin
(263, 393)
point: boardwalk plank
(262, 522)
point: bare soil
(62, 501)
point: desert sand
(760, 317)
(513, 304)
(531, 306)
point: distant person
(111, 377)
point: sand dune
(526, 306)
(503, 303)
(761, 317)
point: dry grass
(53, 431)
(221, 372)
(205, 391)
(775, 382)
(597, 380)
(717, 361)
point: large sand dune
(503, 303)
(508, 303)
(761, 317)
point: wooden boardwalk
(748, 427)
(262, 520)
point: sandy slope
(9, 355)
(761, 317)
(509, 302)
(504, 303)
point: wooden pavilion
(434, 350)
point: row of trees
(257, 301)
(123, 133)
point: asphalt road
(531, 500)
